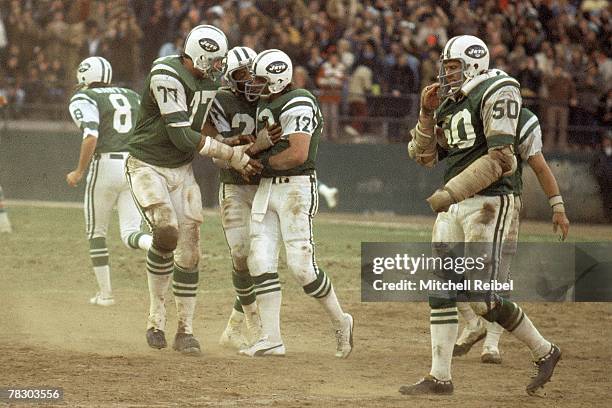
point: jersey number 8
(122, 119)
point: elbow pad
(479, 175)
(506, 159)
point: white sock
(236, 318)
(471, 318)
(145, 241)
(103, 278)
(5, 224)
(494, 332)
(444, 326)
(185, 308)
(158, 287)
(332, 307)
(269, 312)
(528, 334)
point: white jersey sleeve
(530, 139)
(171, 99)
(299, 117)
(85, 114)
(219, 118)
(500, 113)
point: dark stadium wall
(374, 178)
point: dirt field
(50, 336)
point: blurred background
(366, 60)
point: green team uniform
(527, 143)
(172, 97)
(109, 113)
(233, 115)
(297, 111)
(464, 129)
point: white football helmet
(272, 69)
(238, 58)
(206, 45)
(474, 56)
(94, 69)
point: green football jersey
(173, 97)
(233, 115)
(108, 113)
(297, 111)
(528, 142)
(470, 131)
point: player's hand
(266, 138)
(429, 98)
(238, 140)
(243, 163)
(560, 222)
(74, 177)
(440, 201)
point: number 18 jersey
(107, 113)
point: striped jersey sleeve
(500, 108)
(219, 117)
(529, 136)
(299, 115)
(169, 93)
(85, 114)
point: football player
(286, 202)
(233, 115)
(473, 112)
(176, 99)
(106, 116)
(528, 148)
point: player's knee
(441, 303)
(165, 237)
(187, 256)
(240, 256)
(301, 262)
(260, 261)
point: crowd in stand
(360, 55)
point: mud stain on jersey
(487, 213)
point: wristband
(555, 200)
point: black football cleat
(186, 344)
(156, 338)
(544, 370)
(429, 385)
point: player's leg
(490, 351)
(508, 314)
(235, 203)
(187, 201)
(130, 218)
(5, 224)
(263, 267)
(297, 205)
(150, 192)
(443, 312)
(100, 198)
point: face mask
(608, 151)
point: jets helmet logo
(84, 67)
(476, 51)
(277, 67)
(209, 45)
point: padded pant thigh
(188, 202)
(235, 217)
(264, 245)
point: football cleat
(102, 301)
(232, 337)
(344, 338)
(468, 338)
(544, 369)
(186, 344)
(490, 355)
(156, 338)
(428, 385)
(264, 348)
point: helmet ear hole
(475, 66)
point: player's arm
(423, 146)
(550, 187)
(500, 111)
(171, 99)
(297, 125)
(85, 114)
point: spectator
(360, 85)
(172, 48)
(561, 94)
(330, 80)
(93, 40)
(602, 169)
(529, 77)
(301, 79)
